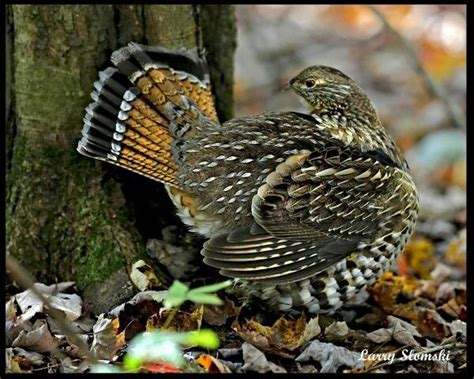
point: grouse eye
(310, 83)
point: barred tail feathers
(141, 106)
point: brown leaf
(456, 306)
(153, 296)
(390, 289)
(181, 322)
(38, 339)
(217, 315)
(428, 289)
(284, 335)
(431, 325)
(134, 315)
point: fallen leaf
(420, 257)
(337, 330)
(143, 276)
(285, 334)
(38, 339)
(212, 364)
(19, 360)
(80, 326)
(105, 337)
(12, 363)
(456, 306)
(431, 325)
(10, 309)
(428, 289)
(447, 291)
(30, 305)
(388, 292)
(380, 335)
(157, 296)
(13, 329)
(403, 332)
(134, 316)
(330, 356)
(217, 315)
(458, 327)
(181, 322)
(255, 360)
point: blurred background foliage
(275, 42)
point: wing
(315, 209)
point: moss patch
(65, 222)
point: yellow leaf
(420, 257)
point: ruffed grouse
(303, 210)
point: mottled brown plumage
(303, 210)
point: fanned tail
(153, 97)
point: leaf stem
(170, 318)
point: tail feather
(154, 96)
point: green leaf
(211, 288)
(205, 338)
(204, 298)
(176, 295)
(132, 362)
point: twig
(434, 88)
(170, 318)
(26, 281)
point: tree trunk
(69, 217)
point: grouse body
(303, 210)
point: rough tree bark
(69, 217)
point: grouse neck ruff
(302, 210)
